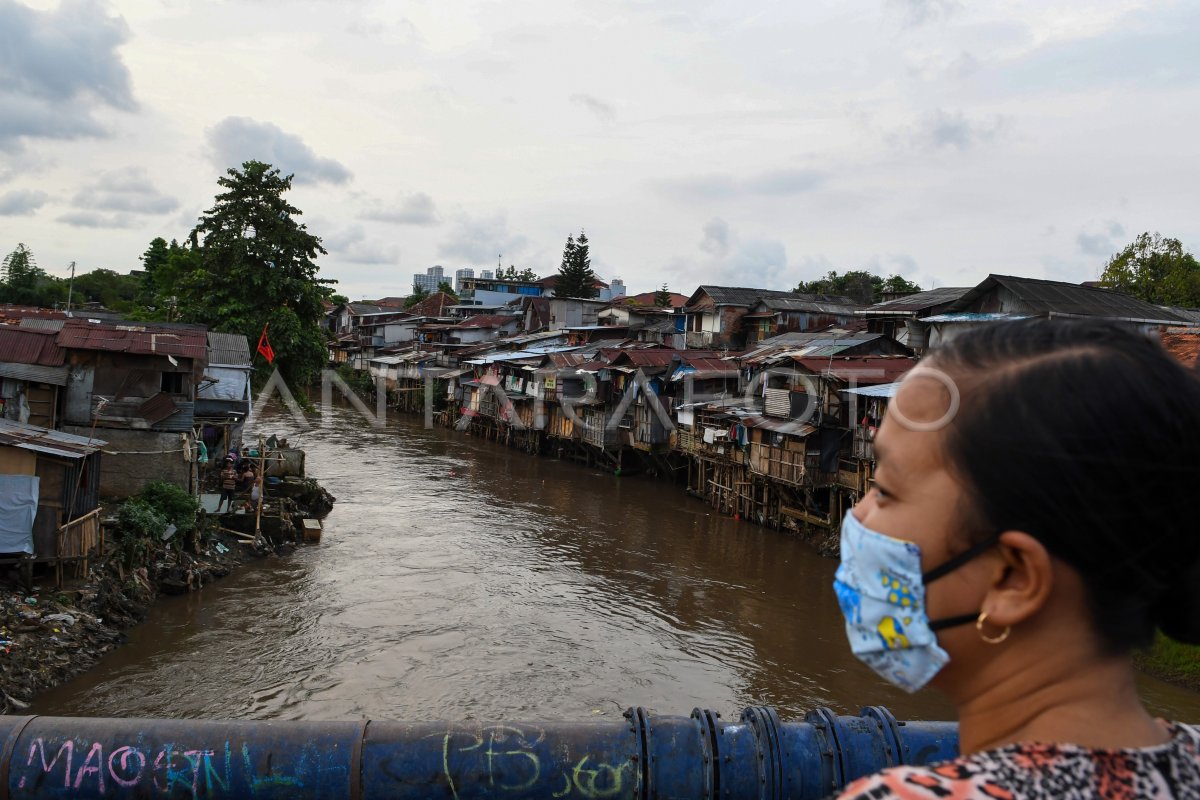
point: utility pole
(70, 288)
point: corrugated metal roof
(35, 372)
(37, 323)
(44, 440)
(1037, 296)
(228, 349)
(738, 295)
(27, 346)
(882, 390)
(974, 316)
(861, 369)
(80, 334)
(790, 427)
(812, 303)
(921, 301)
(158, 408)
(1184, 345)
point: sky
(696, 141)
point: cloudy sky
(697, 141)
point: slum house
(837, 477)
(223, 395)
(50, 482)
(756, 454)
(901, 317)
(474, 330)
(799, 313)
(714, 314)
(1003, 297)
(345, 318)
(33, 374)
(137, 383)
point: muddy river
(458, 579)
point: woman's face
(918, 498)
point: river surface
(459, 579)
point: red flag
(264, 347)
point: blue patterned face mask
(881, 590)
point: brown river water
(458, 579)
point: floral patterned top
(1035, 771)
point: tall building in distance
(616, 288)
(459, 275)
(487, 275)
(430, 280)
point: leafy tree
(897, 284)
(419, 293)
(445, 288)
(1157, 270)
(23, 282)
(512, 274)
(864, 288)
(255, 267)
(164, 266)
(339, 299)
(575, 276)
(111, 289)
(662, 297)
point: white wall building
(430, 280)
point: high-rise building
(487, 275)
(459, 275)
(430, 280)
(616, 287)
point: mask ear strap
(952, 622)
(947, 567)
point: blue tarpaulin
(18, 507)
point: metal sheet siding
(777, 403)
(140, 340)
(228, 349)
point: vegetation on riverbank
(1171, 661)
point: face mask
(881, 590)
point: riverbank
(1171, 661)
(49, 635)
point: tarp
(18, 508)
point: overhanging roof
(44, 440)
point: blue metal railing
(645, 756)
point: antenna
(70, 288)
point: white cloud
(124, 190)
(235, 140)
(94, 219)
(415, 209)
(57, 68)
(352, 244)
(602, 110)
(479, 240)
(21, 202)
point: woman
(1032, 522)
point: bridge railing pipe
(643, 757)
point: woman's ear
(1021, 580)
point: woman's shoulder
(1030, 771)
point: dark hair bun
(1179, 610)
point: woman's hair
(1086, 435)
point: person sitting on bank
(1012, 555)
(229, 485)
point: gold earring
(990, 639)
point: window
(172, 382)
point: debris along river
(459, 579)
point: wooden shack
(62, 473)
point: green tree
(861, 286)
(23, 282)
(662, 297)
(255, 268)
(339, 299)
(575, 276)
(1157, 270)
(109, 288)
(513, 274)
(419, 293)
(445, 288)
